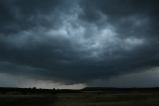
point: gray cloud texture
(78, 40)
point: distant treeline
(27, 91)
(5, 90)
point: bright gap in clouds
(24, 82)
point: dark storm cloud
(78, 40)
(17, 15)
(132, 18)
(121, 13)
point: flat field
(84, 98)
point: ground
(85, 98)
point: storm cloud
(78, 41)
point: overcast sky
(79, 43)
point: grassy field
(83, 99)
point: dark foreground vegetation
(84, 97)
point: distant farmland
(85, 97)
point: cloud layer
(77, 41)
